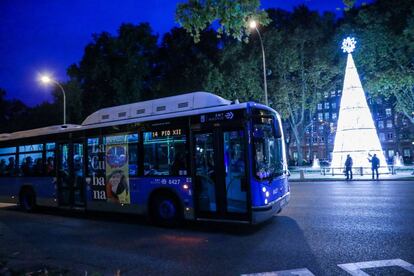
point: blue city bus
(195, 156)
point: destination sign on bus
(167, 132)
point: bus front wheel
(165, 210)
(27, 200)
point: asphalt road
(325, 224)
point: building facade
(395, 131)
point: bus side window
(31, 160)
(8, 161)
(50, 163)
(31, 164)
(165, 154)
(7, 165)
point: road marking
(292, 272)
(356, 268)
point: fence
(357, 171)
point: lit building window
(333, 105)
(327, 105)
(319, 106)
(326, 94)
(333, 94)
(320, 116)
(333, 116)
(326, 115)
(390, 153)
(382, 137)
(381, 124)
(407, 153)
(321, 127)
(388, 112)
(389, 124)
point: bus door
(220, 174)
(71, 187)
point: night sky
(39, 36)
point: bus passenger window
(31, 160)
(50, 163)
(165, 153)
(50, 159)
(7, 161)
(7, 165)
(31, 164)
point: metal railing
(357, 171)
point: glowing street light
(46, 80)
(253, 25)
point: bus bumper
(262, 213)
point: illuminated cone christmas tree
(356, 134)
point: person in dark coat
(348, 167)
(375, 163)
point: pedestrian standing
(348, 167)
(375, 163)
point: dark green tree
(231, 16)
(116, 69)
(181, 64)
(303, 64)
(238, 72)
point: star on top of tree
(348, 45)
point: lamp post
(253, 25)
(46, 80)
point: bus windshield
(268, 150)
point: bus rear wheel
(27, 200)
(165, 210)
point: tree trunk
(298, 139)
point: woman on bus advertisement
(117, 180)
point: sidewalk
(304, 174)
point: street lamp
(46, 80)
(253, 25)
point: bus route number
(167, 132)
